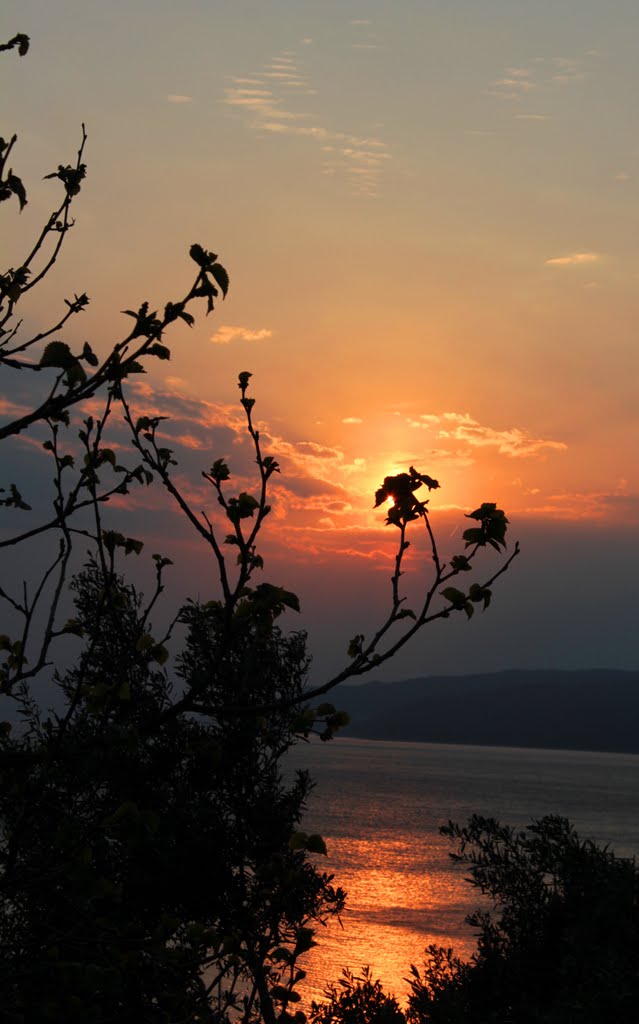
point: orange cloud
(619, 505)
(574, 259)
(460, 427)
(227, 333)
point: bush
(562, 943)
(560, 946)
(359, 999)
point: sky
(428, 212)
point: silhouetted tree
(560, 945)
(152, 867)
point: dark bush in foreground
(359, 999)
(560, 946)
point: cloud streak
(618, 506)
(227, 333)
(463, 429)
(544, 76)
(271, 99)
(574, 259)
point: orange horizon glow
(432, 259)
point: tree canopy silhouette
(152, 861)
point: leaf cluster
(357, 999)
(561, 943)
(400, 489)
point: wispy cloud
(620, 505)
(261, 102)
(513, 84)
(364, 36)
(272, 99)
(227, 333)
(543, 76)
(177, 98)
(463, 429)
(567, 69)
(574, 259)
(13, 408)
(316, 450)
(352, 419)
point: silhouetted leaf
(298, 841)
(161, 561)
(20, 40)
(106, 455)
(315, 844)
(405, 613)
(160, 654)
(161, 351)
(15, 499)
(325, 709)
(12, 185)
(201, 256)
(355, 646)
(220, 471)
(473, 536)
(71, 177)
(276, 598)
(456, 597)
(221, 276)
(89, 355)
(57, 354)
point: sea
(379, 806)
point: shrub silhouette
(560, 945)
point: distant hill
(594, 709)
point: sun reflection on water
(401, 898)
(380, 807)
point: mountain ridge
(583, 709)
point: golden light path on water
(379, 806)
(389, 909)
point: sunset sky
(429, 214)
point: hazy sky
(428, 211)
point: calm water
(380, 805)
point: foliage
(360, 999)
(561, 945)
(149, 872)
(152, 867)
